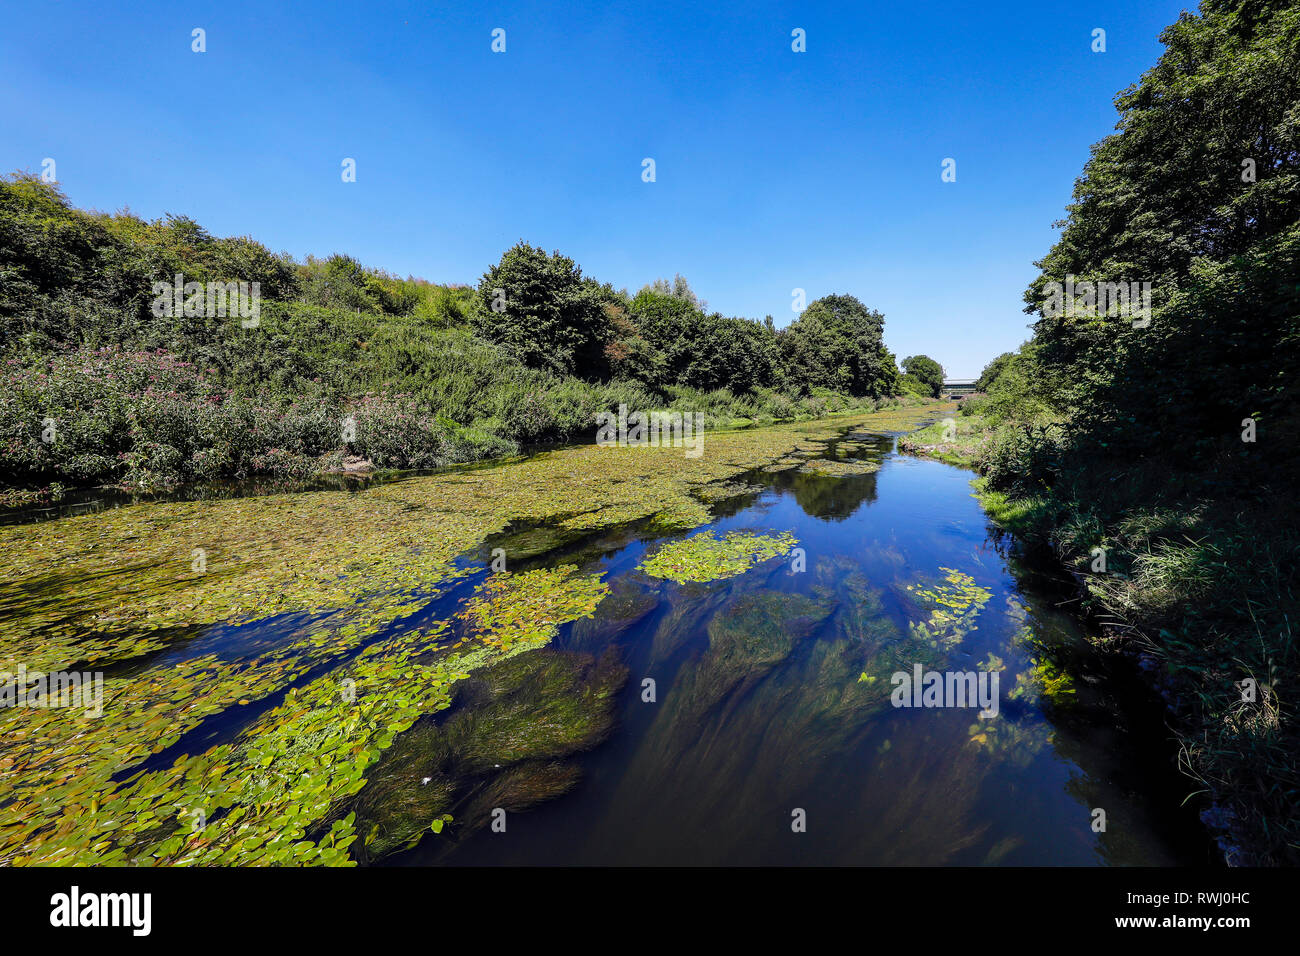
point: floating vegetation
(723, 490)
(294, 605)
(1044, 680)
(1015, 742)
(53, 759)
(128, 581)
(787, 463)
(512, 609)
(954, 604)
(840, 468)
(251, 801)
(706, 557)
(257, 799)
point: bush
(144, 398)
(146, 418)
(540, 309)
(1022, 457)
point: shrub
(146, 418)
(1022, 457)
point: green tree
(927, 371)
(540, 308)
(993, 370)
(1197, 193)
(1016, 388)
(837, 343)
(702, 350)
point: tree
(1016, 388)
(702, 350)
(838, 343)
(541, 309)
(679, 288)
(993, 370)
(1198, 194)
(927, 371)
(911, 385)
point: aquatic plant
(510, 732)
(1043, 680)
(840, 468)
(706, 557)
(198, 609)
(954, 604)
(257, 800)
(788, 463)
(512, 609)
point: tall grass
(1201, 581)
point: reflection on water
(691, 723)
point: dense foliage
(1165, 439)
(111, 376)
(925, 371)
(542, 310)
(1197, 193)
(836, 343)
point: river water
(749, 720)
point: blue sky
(775, 170)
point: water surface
(772, 702)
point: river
(764, 744)
(690, 662)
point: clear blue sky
(775, 170)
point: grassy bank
(151, 353)
(1198, 586)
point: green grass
(1200, 580)
(1024, 517)
(957, 440)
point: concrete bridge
(954, 387)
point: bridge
(954, 387)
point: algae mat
(301, 620)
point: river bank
(1137, 580)
(338, 677)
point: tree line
(428, 373)
(1157, 453)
